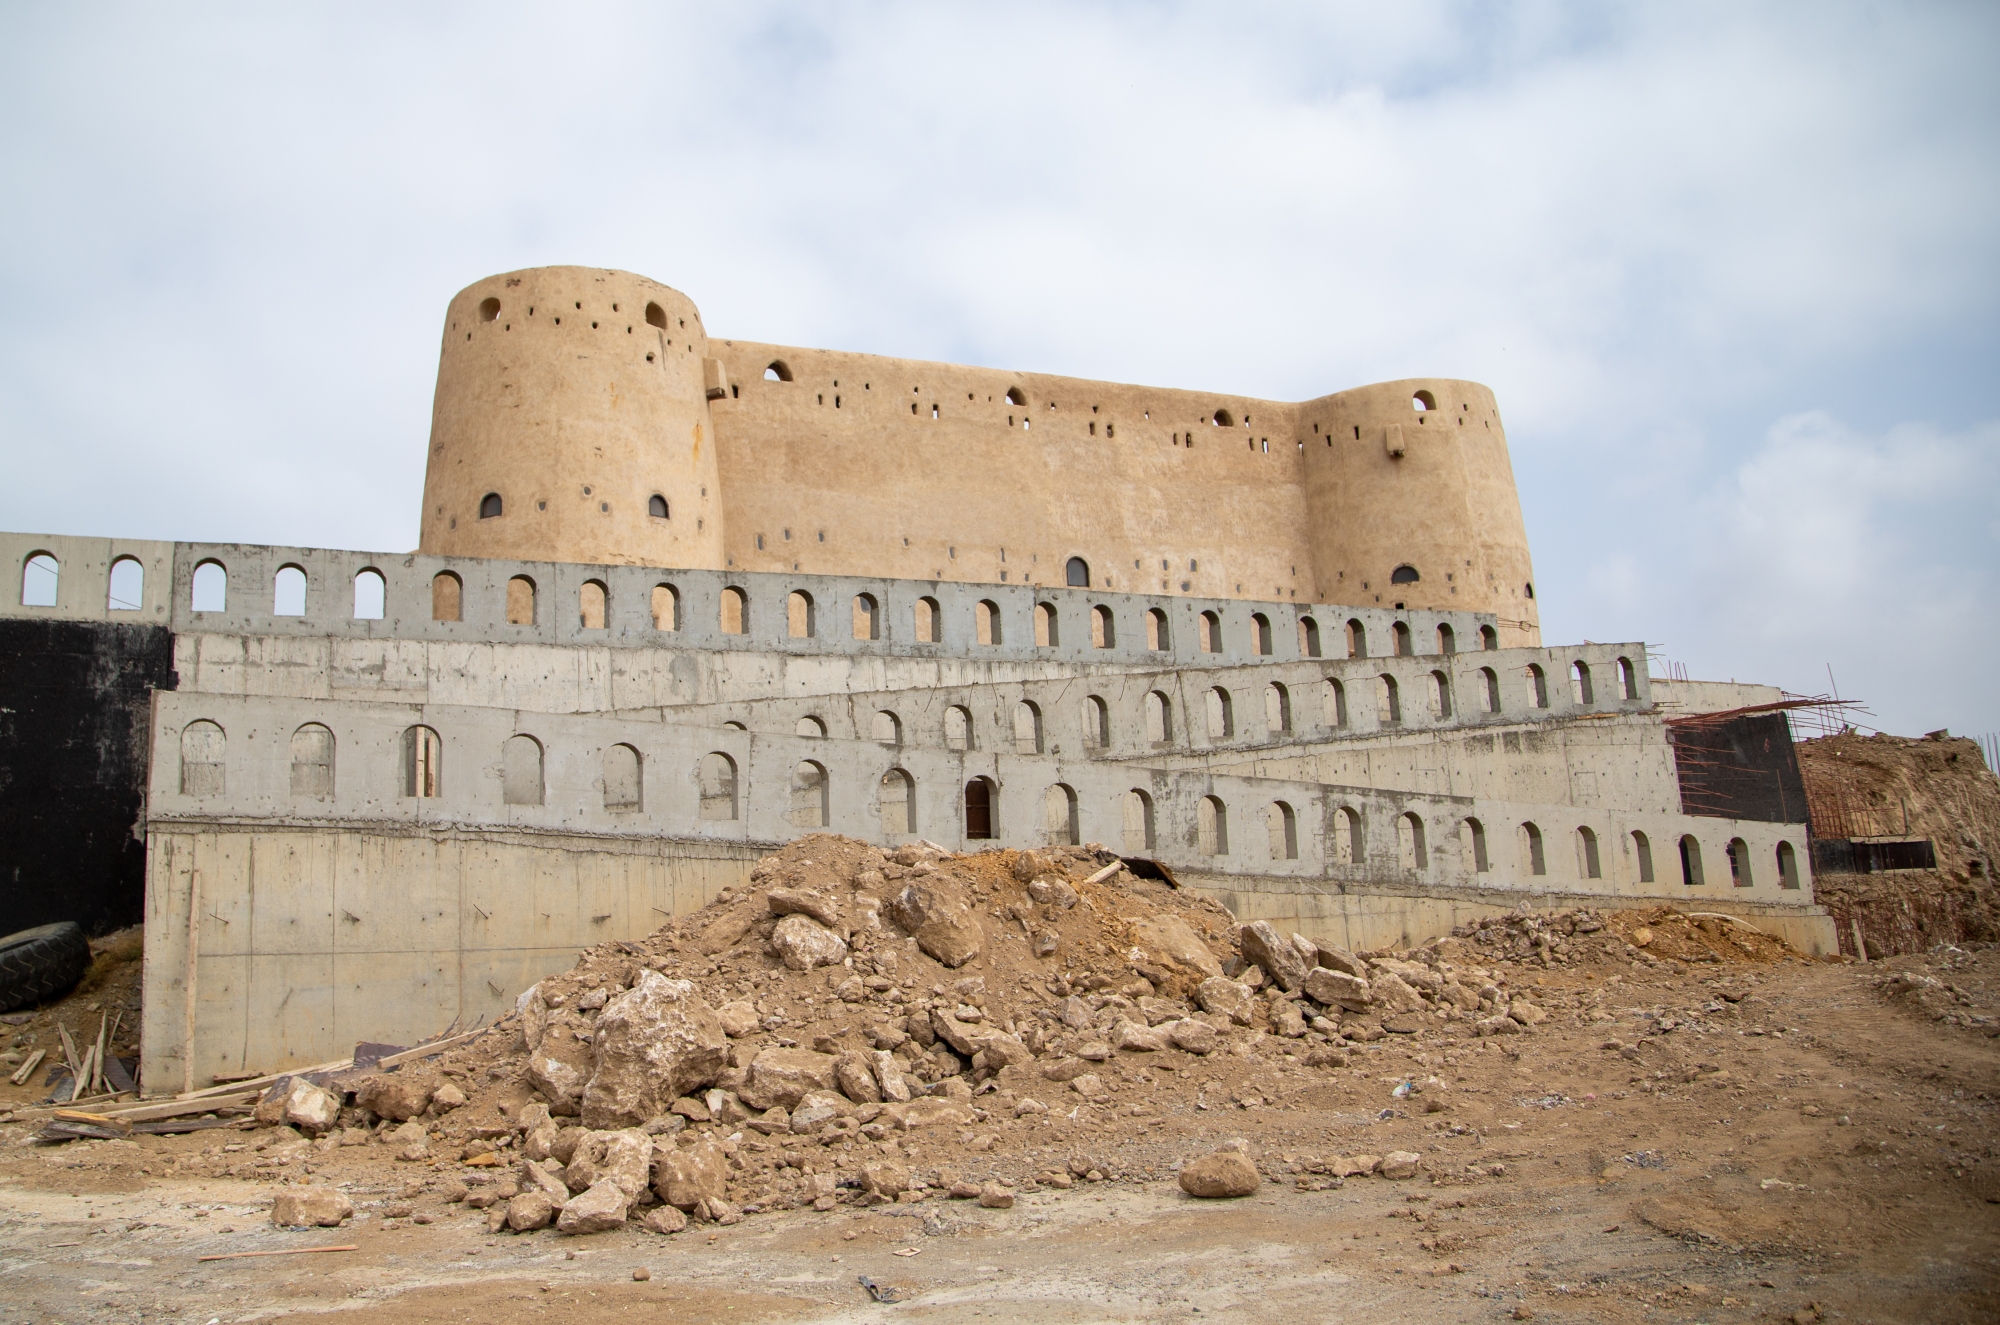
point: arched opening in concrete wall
(1642, 851)
(1538, 685)
(886, 728)
(1076, 573)
(1491, 684)
(1489, 638)
(422, 763)
(1096, 722)
(1447, 640)
(1357, 639)
(1212, 827)
(1423, 401)
(1059, 817)
(1222, 418)
(1221, 714)
(624, 786)
(1211, 633)
(777, 371)
(1404, 574)
(1137, 812)
(1157, 634)
(1388, 701)
(1350, 843)
(656, 507)
(1308, 637)
(1588, 865)
(1404, 649)
(809, 795)
(288, 591)
(1015, 396)
(1260, 634)
(896, 804)
(1027, 728)
(959, 733)
(1738, 852)
(521, 770)
(1628, 680)
(1472, 838)
(1277, 709)
(593, 605)
(800, 620)
(1047, 632)
(715, 785)
(312, 763)
(1528, 590)
(981, 810)
(1159, 718)
(657, 317)
(1335, 703)
(666, 607)
(1691, 875)
(126, 590)
(210, 589)
(1788, 866)
(867, 617)
(490, 506)
(489, 309)
(1411, 850)
(986, 622)
(1281, 826)
(811, 727)
(1580, 689)
(734, 617)
(520, 601)
(1103, 628)
(447, 597)
(41, 576)
(203, 747)
(1440, 696)
(370, 593)
(1532, 855)
(927, 621)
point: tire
(37, 965)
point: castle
(680, 599)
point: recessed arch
(1401, 632)
(982, 809)
(777, 371)
(447, 597)
(491, 506)
(1222, 418)
(656, 506)
(203, 749)
(1404, 574)
(986, 627)
(521, 770)
(1308, 637)
(288, 591)
(1027, 728)
(371, 591)
(1221, 714)
(1261, 643)
(1136, 810)
(422, 760)
(1158, 635)
(1277, 709)
(125, 589)
(1412, 852)
(885, 728)
(715, 783)
(927, 621)
(1532, 854)
(809, 795)
(1281, 823)
(1211, 633)
(41, 575)
(1491, 680)
(1048, 631)
(1096, 722)
(1440, 695)
(1212, 826)
(960, 733)
(593, 605)
(1738, 852)
(520, 601)
(1538, 682)
(1076, 573)
(624, 781)
(811, 727)
(1423, 401)
(1788, 866)
(1388, 701)
(801, 619)
(1474, 841)
(1059, 816)
(1588, 863)
(1642, 851)
(1691, 873)
(734, 611)
(1447, 639)
(1357, 638)
(1159, 718)
(489, 309)
(209, 590)
(312, 762)
(1628, 680)
(1335, 703)
(1489, 638)
(1103, 627)
(1350, 839)
(656, 316)
(867, 617)
(1580, 687)
(666, 606)
(1015, 396)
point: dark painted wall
(75, 714)
(1739, 768)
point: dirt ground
(1708, 1140)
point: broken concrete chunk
(1338, 989)
(1340, 959)
(1171, 938)
(1191, 1035)
(686, 1176)
(310, 1207)
(804, 902)
(884, 1178)
(995, 1197)
(1270, 950)
(738, 1018)
(1287, 1020)
(1392, 995)
(783, 1076)
(602, 1208)
(664, 1219)
(1131, 1036)
(942, 924)
(803, 943)
(1226, 1173)
(1400, 1164)
(889, 1076)
(657, 1041)
(397, 1096)
(1052, 892)
(531, 1210)
(311, 1108)
(1226, 998)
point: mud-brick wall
(75, 702)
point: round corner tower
(1412, 502)
(571, 423)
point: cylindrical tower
(571, 423)
(1411, 500)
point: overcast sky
(1731, 269)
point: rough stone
(1130, 1035)
(1192, 1035)
(943, 925)
(805, 902)
(1391, 994)
(1338, 989)
(538, 1176)
(1225, 1173)
(310, 1207)
(686, 1176)
(602, 1208)
(656, 1042)
(885, 1178)
(664, 1219)
(1340, 959)
(1052, 892)
(530, 1210)
(889, 1075)
(783, 1076)
(1526, 1013)
(447, 1097)
(995, 1197)
(1174, 939)
(803, 943)
(1400, 1164)
(397, 1096)
(311, 1108)
(1228, 998)
(560, 1068)
(816, 1109)
(1500, 1025)
(624, 1157)
(855, 1076)
(1270, 950)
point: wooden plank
(280, 1251)
(27, 1069)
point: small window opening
(656, 506)
(1076, 573)
(447, 597)
(369, 591)
(1404, 575)
(490, 506)
(489, 309)
(1423, 401)
(777, 371)
(211, 587)
(40, 576)
(1222, 418)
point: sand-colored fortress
(679, 599)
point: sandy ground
(1819, 1149)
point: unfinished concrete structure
(384, 792)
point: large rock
(1400, 1164)
(686, 1176)
(940, 921)
(999, 1049)
(728, 929)
(1340, 959)
(1173, 938)
(803, 943)
(1052, 892)
(889, 1075)
(802, 902)
(1338, 989)
(738, 1018)
(1286, 1019)
(1226, 998)
(598, 1210)
(1192, 1035)
(311, 1108)
(310, 1207)
(1391, 995)
(1526, 1013)
(560, 1069)
(1266, 948)
(1414, 974)
(1132, 1036)
(1222, 1174)
(656, 1042)
(817, 1108)
(962, 1036)
(856, 1078)
(783, 1076)
(531, 1210)
(624, 1157)
(541, 1177)
(885, 1178)
(398, 1096)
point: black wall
(75, 714)
(1739, 768)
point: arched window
(1015, 396)
(210, 590)
(1335, 701)
(1531, 850)
(520, 601)
(1474, 842)
(312, 763)
(1211, 633)
(896, 804)
(202, 747)
(1350, 843)
(1423, 401)
(592, 605)
(126, 591)
(41, 574)
(1580, 683)
(1538, 683)
(777, 371)
(1159, 718)
(1076, 573)
(1212, 826)
(1157, 635)
(715, 780)
(735, 611)
(809, 727)
(1357, 639)
(1388, 701)
(1281, 822)
(1277, 709)
(1739, 863)
(490, 506)
(959, 733)
(986, 621)
(867, 617)
(521, 770)
(370, 592)
(1404, 575)
(1222, 418)
(1096, 722)
(447, 597)
(1404, 649)
(799, 617)
(1643, 850)
(1447, 639)
(1440, 696)
(1691, 875)
(981, 810)
(656, 506)
(1788, 866)
(1027, 728)
(928, 621)
(1221, 715)
(1628, 680)
(288, 592)
(1492, 686)
(1530, 590)
(1138, 816)
(1103, 630)
(422, 763)
(1411, 851)
(886, 728)
(666, 607)
(1059, 826)
(1047, 633)
(809, 795)
(656, 316)
(1489, 638)
(1588, 866)
(1260, 634)
(489, 309)
(624, 785)
(1308, 637)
